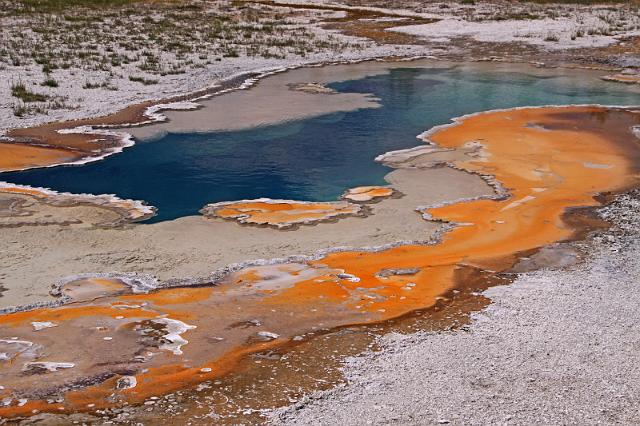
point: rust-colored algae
(280, 214)
(548, 159)
(363, 194)
(18, 156)
(44, 145)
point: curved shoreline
(282, 214)
(142, 211)
(149, 112)
(344, 273)
(94, 139)
(129, 210)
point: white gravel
(484, 22)
(555, 347)
(550, 33)
(99, 102)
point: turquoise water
(318, 158)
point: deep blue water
(313, 159)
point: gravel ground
(87, 84)
(588, 27)
(555, 347)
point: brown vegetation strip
(623, 78)
(43, 146)
(50, 148)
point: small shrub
(50, 82)
(231, 53)
(19, 91)
(145, 81)
(19, 110)
(89, 85)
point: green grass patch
(50, 82)
(60, 5)
(145, 81)
(19, 91)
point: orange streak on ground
(546, 171)
(17, 157)
(108, 283)
(549, 159)
(24, 191)
(156, 381)
(169, 378)
(379, 192)
(248, 276)
(74, 146)
(67, 313)
(172, 296)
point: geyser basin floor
(550, 159)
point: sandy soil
(554, 347)
(577, 30)
(221, 112)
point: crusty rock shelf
(17, 196)
(289, 214)
(281, 214)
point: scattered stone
(384, 273)
(267, 335)
(37, 326)
(349, 277)
(126, 382)
(44, 367)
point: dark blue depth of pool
(313, 159)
